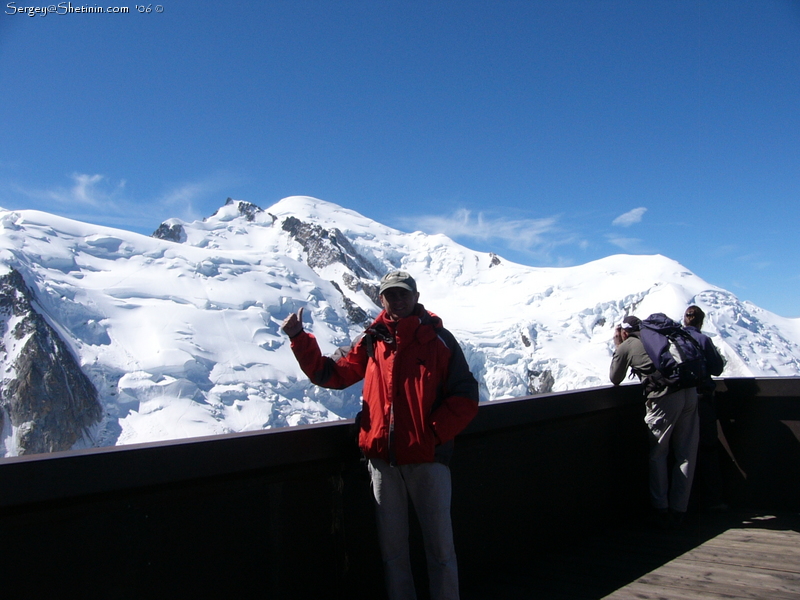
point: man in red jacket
(418, 395)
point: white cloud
(184, 198)
(630, 218)
(92, 191)
(94, 198)
(520, 233)
(185, 194)
(84, 191)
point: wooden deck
(737, 555)
(739, 563)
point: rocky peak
(246, 209)
(171, 233)
(48, 400)
(324, 247)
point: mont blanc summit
(178, 334)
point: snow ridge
(180, 332)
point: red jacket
(418, 390)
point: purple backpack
(676, 355)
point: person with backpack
(708, 477)
(671, 419)
(418, 395)
(693, 320)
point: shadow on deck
(550, 501)
(625, 561)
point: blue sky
(550, 132)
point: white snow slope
(184, 340)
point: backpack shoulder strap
(369, 344)
(376, 332)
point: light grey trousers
(674, 425)
(429, 487)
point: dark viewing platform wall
(287, 513)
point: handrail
(207, 517)
(60, 475)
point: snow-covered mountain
(180, 332)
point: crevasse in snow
(181, 336)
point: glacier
(180, 331)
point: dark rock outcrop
(246, 209)
(46, 396)
(171, 233)
(324, 247)
(354, 312)
(327, 246)
(540, 382)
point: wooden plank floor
(738, 563)
(733, 555)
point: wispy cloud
(184, 198)
(521, 234)
(94, 191)
(555, 240)
(85, 190)
(95, 198)
(630, 218)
